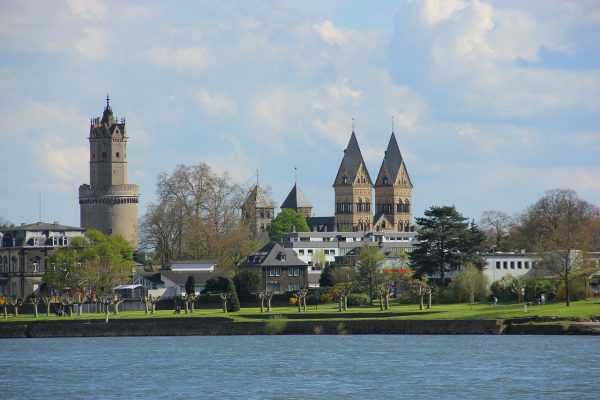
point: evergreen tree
(444, 242)
(246, 283)
(326, 279)
(233, 304)
(190, 285)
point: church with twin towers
(355, 210)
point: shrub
(216, 284)
(246, 283)
(533, 289)
(275, 326)
(358, 299)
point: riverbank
(226, 326)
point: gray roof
(259, 198)
(352, 160)
(42, 226)
(393, 160)
(271, 256)
(296, 199)
(180, 277)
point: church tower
(353, 191)
(258, 210)
(393, 192)
(296, 201)
(109, 204)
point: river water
(302, 367)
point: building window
(117, 154)
(512, 265)
(310, 251)
(54, 241)
(505, 264)
(294, 271)
(519, 264)
(274, 287)
(526, 264)
(103, 155)
(36, 266)
(275, 271)
(293, 286)
(497, 264)
(301, 252)
(64, 241)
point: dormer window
(385, 180)
(345, 180)
(282, 257)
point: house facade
(24, 252)
(170, 281)
(279, 268)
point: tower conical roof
(353, 159)
(296, 199)
(259, 198)
(393, 159)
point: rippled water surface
(302, 367)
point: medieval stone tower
(393, 192)
(258, 210)
(109, 203)
(353, 191)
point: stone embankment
(226, 326)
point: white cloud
(330, 33)
(465, 130)
(194, 58)
(91, 10)
(213, 104)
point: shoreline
(223, 326)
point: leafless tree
(224, 298)
(34, 302)
(554, 226)
(496, 225)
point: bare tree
(554, 226)
(47, 301)
(496, 225)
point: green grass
(578, 309)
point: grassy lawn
(581, 309)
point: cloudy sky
(494, 102)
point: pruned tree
(67, 301)
(47, 301)
(300, 296)
(116, 300)
(80, 298)
(265, 295)
(189, 300)
(34, 301)
(225, 296)
(150, 303)
(4, 305)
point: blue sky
(494, 102)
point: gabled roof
(42, 226)
(273, 255)
(296, 199)
(259, 198)
(381, 217)
(352, 160)
(393, 161)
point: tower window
(94, 156)
(117, 155)
(103, 154)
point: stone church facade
(109, 203)
(353, 191)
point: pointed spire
(296, 199)
(108, 117)
(352, 159)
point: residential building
(24, 252)
(173, 278)
(279, 268)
